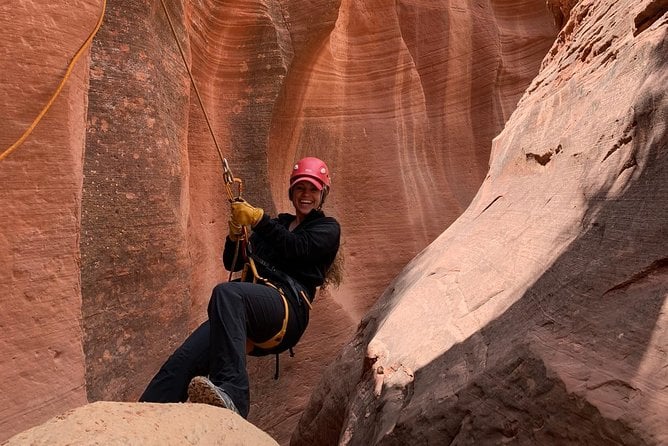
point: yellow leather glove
(236, 231)
(244, 214)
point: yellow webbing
(48, 105)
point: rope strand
(192, 80)
(48, 105)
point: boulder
(112, 423)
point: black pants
(217, 348)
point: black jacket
(305, 254)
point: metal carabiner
(230, 180)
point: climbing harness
(278, 337)
(55, 94)
(295, 290)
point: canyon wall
(539, 316)
(114, 211)
(41, 346)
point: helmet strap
(323, 194)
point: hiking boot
(202, 390)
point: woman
(292, 255)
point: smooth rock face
(403, 100)
(114, 211)
(539, 316)
(108, 423)
(42, 369)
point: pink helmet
(310, 169)
(314, 171)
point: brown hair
(334, 276)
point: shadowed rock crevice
(543, 158)
(514, 400)
(652, 12)
(626, 138)
(658, 267)
(561, 10)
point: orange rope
(48, 105)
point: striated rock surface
(114, 211)
(41, 346)
(539, 316)
(403, 99)
(107, 423)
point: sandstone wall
(41, 345)
(401, 98)
(538, 317)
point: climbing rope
(48, 105)
(229, 179)
(192, 81)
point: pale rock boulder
(112, 423)
(539, 316)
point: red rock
(42, 370)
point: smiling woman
(309, 186)
(305, 198)
(291, 256)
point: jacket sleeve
(319, 238)
(228, 255)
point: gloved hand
(244, 214)
(236, 231)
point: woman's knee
(220, 289)
(225, 295)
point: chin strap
(323, 195)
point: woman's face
(305, 198)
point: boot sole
(201, 390)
